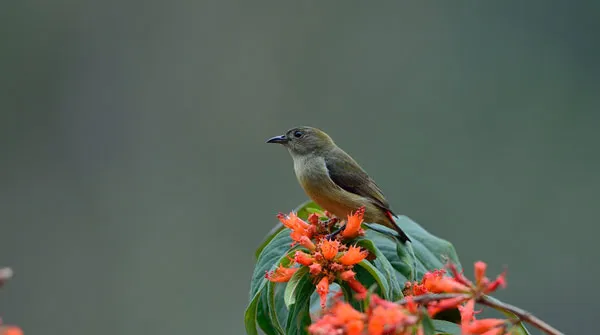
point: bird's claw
(335, 233)
(332, 235)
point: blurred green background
(136, 184)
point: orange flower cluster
(420, 288)
(382, 317)
(404, 318)
(281, 274)
(484, 326)
(436, 282)
(10, 330)
(458, 283)
(320, 225)
(326, 259)
(353, 224)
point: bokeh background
(136, 184)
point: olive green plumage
(333, 179)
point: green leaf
(368, 280)
(303, 211)
(428, 327)
(520, 329)
(451, 315)
(382, 263)
(277, 312)
(445, 327)
(261, 310)
(264, 318)
(269, 259)
(250, 315)
(431, 252)
(299, 310)
(376, 275)
(292, 286)
(307, 208)
(270, 235)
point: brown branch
(521, 314)
(427, 298)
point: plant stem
(521, 314)
(490, 302)
(426, 298)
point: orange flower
(433, 275)
(377, 321)
(354, 327)
(10, 330)
(471, 326)
(292, 221)
(296, 235)
(329, 249)
(442, 305)
(458, 276)
(315, 269)
(307, 243)
(313, 219)
(467, 312)
(303, 258)
(346, 313)
(377, 300)
(445, 285)
(382, 317)
(355, 285)
(281, 274)
(326, 325)
(480, 272)
(340, 319)
(322, 290)
(411, 305)
(386, 317)
(389, 320)
(483, 283)
(353, 224)
(353, 256)
(500, 281)
(347, 275)
(482, 326)
(416, 288)
(299, 228)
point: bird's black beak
(281, 139)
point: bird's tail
(401, 234)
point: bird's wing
(348, 175)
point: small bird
(333, 179)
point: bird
(333, 179)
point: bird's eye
(298, 134)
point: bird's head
(302, 141)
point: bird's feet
(336, 232)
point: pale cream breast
(313, 176)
